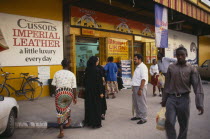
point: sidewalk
(117, 123)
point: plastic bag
(160, 119)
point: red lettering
(57, 44)
(15, 42)
(56, 36)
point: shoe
(102, 117)
(135, 118)
(141, 121)
(154, 95)
(98, 126)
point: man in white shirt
(139, 88)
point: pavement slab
(117, 124)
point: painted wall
(204, 49)
(175, 39)
(46, 9)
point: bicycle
(30, 87)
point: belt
(180, 94)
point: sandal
(61, 135)
(67, 124)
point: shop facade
(37, 35)
(99, 34)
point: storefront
(98, 34)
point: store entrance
(85, 48)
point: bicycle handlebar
(6, 73)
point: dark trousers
(177, 107)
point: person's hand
(75, 101)
(201, 110)
(104, 83)
(140, 92)
(101, 95)
(163, 103)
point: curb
(205, 82)
(31, 124)
(44, 124)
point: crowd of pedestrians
(172, 77)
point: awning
(187, 8)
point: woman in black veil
(93, 93)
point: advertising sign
(161, 26)
(30, 41)
(126, 73)
(93, 19)
(117, 48)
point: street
(117, 124)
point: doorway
(85, 48)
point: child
(154, 75)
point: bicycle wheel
(4, 91)
(32, 89)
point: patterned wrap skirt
(63, 99)
(111, 87)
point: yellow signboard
(117, 48)
(88, 32)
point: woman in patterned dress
(65, 82)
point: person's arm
(157, 69)
(54, 80)
(166, 87)
(150, 70)
(106, 67)
(74, 86)
(198, 90)
(170, 59)
(144, 76)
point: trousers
(140, 102)
(177, 107)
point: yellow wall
(47, 9)
(204, 49)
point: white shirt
(64, 78)
(140, 73)
(163, 66)
(154, 69)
